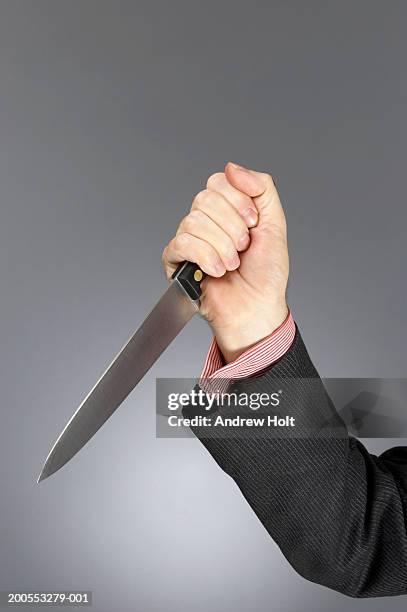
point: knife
(168, 317)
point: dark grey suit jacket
(338, 513)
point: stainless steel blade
(165, 321)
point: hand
(236, 233)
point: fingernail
(250, 216)
(243, 242)
(237, 167)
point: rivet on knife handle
(190, 276)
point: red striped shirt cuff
(253, 360)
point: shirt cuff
(258, 357)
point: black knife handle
(190, 276)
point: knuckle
(202, 197)
(191, 220)
(215, 179)
(181, 241)
(195, 216)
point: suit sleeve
(337, 512)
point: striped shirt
(256, 358)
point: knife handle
(190, 276)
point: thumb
(260, 187)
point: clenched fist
(236, 232)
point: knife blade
(168, 317)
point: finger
(226, 216)
(198, 224)
(259, 186)
(185, 247)
(242, 202)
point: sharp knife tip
(42, 476)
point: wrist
(245, 333)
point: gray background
(112, 115)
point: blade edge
(177, 296)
